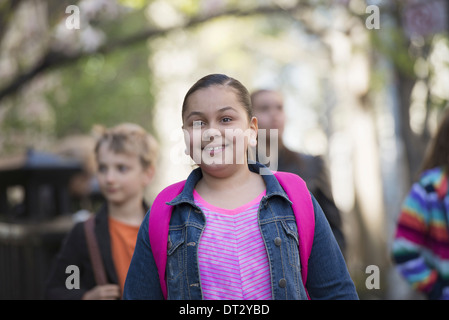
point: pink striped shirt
(232, 257)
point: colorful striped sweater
(421, 244)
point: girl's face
(121, 176)
(217, 129)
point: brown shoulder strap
(94, 252)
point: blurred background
(364, 84)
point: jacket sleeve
(142, 280)
(328, 277)
(409, 244)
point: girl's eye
(102, 168)
(198, 123)
(226, 119)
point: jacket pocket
(291, 232)
(176, 251)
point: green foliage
(396, 48)
(136, 4)
(189, 7)
(106, 89)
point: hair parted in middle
(224, 80)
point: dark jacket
(313, 171)
(74, 252)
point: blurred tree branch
(54, 59)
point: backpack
(293, 185)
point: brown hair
(128, 138)
(221, 79)
(437, 154)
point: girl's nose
(210, 134)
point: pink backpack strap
(158, 225)
(299, 195)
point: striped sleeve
(409, 245)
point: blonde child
(125, 156)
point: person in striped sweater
(421, 244)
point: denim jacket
(328, 277)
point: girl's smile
(213, 150)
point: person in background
(268, 107)
(125, 157)
(420, 247)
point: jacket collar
(272, 185)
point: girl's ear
(253, 133)
(252, 140)
(186, 141)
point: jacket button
(282, 283)
(277, 241)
